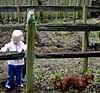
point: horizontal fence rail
(12, 56)
(54, 27)
(70, 55)
(39, 8)
(94, 8)
(53, 55)
(68, 27)
(7, 27)
(23, 8)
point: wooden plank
(53, 27)
(69, 54)
(23, 8)
(94, 9)
(68, 27)
(12, 27)
(81, 54)
(12, 56)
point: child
(15, 67)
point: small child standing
(15, 67)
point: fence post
(30, 51)
(85, 39)
(18, 11)
(41, 12)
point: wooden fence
(85, 35)
(45, 16)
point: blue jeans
(14, 71)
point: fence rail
(80, 54)
(68, 27)
(23, 8)
(12, 56)
(6, 27)
(70, 55)
(54, 27)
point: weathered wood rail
(13, 56)
(68, 27)
(11, 27)
(23, 8)
(80, 54)
(54, 27)
(70, 54)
